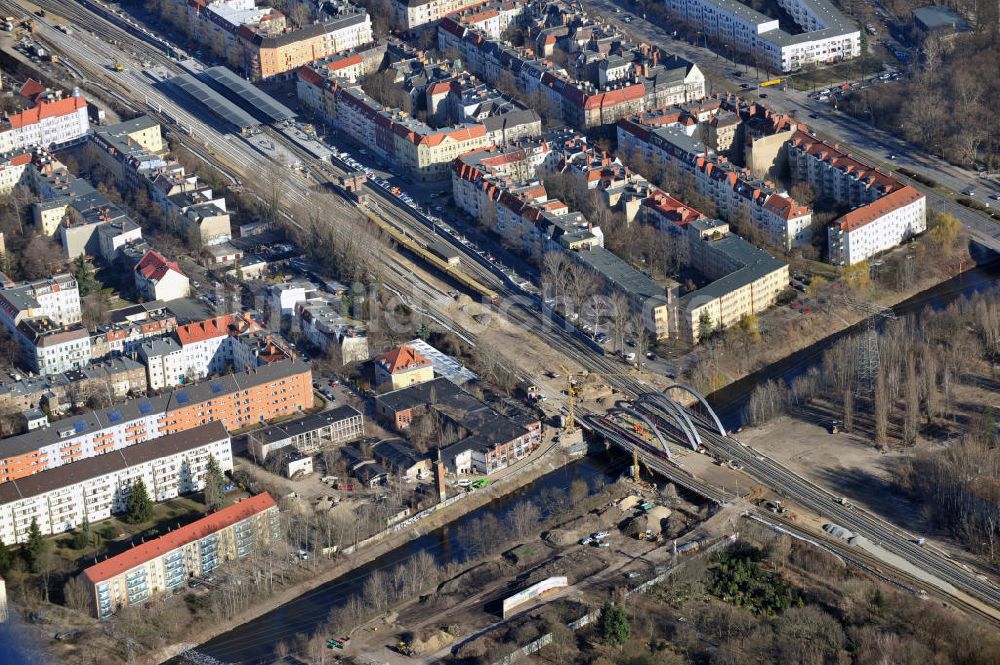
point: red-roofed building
(168, 562)
(47, 124)
(887, 211)
(31, 90)
(402, 367)
(158, 278)
(12, 167)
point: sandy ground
(845, 464)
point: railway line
(526, 310)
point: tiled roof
(883, 206)
(45, 110)
(402, 359)
(148, 551)
(228, 324)
(153, 266)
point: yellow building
(747, 279)
(402, 367)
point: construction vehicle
(573, 389)
(117, 66)
(405, 649)
(479, 484)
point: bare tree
(911, 414)
(881, 411)
(848, 410)
(524, 518)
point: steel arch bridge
(649, 423)
(667, 409)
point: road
(828, 123)
(94, 56)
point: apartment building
(263, 44)
(135, 153)
(13, 167)
(56, 298)
(501, 187)
(746, 280)
(308, 434)
(648, 77)
(98, 487)
(663, 140)
(423, 151)
(324, 326)
(197, 350)
(43, 317)
(157, 566)
(349, 65)
(112, 378)
(492, 18)
(886, 212)
(738, 195)
(879, 226)
(827, 35)
(236, 400)
(410, 14)
(49, 123)
(50, 348)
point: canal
(253, 643)
(729, 402)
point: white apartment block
(410, 14)
(12, 169)
(56, 298)
(886, 211)
(200, 349)
(877, 227)
(196, 549)
(48, 349)
(48, 123)
(827, 35)
(43, 317)
(98, 487)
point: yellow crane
(572, 390)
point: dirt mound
(476, 577)
(562, 537)
(527, 554)
(431, 643)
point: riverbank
(808, 321)
(544, 461)
(803, 347)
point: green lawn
(115, 535)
